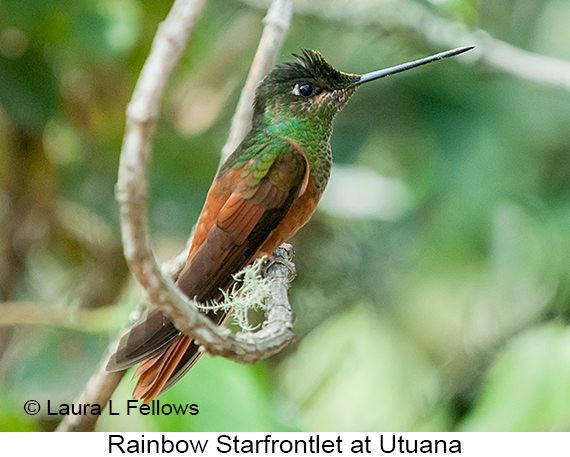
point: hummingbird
(261, 196)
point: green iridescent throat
(283, 112)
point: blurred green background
(433, 287)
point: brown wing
(231, 236)
(151, 334)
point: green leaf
(356, 372)
(27, 90)
(528, 387)
(12, 418)
(56, 366)
(229, 396)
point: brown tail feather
(159, 373)
(155, 373)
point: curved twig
(132, 191)
(277, 22)
(132, 195)
(274, 336)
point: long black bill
(408, 66)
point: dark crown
(312, 65)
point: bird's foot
(282, 255)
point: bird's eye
(306, 89)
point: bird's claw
(283, 255)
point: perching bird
(265, 191)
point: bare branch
(37, 313)
(488, 50)
(524, 64)
(168, 46)
(277, 331)
(277, 22)
(98, 391)
(132, 197)
(405, 17)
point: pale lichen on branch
(132, 194)
(248, 292)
